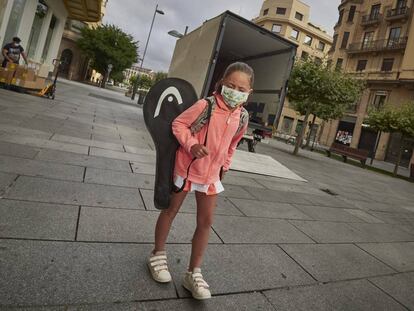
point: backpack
(205, 115)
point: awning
(84, 10)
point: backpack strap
(244, 119)
(204, 116)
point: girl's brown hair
(234, 67)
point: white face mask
(232, 97)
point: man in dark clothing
(12, 51)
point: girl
(212, 148)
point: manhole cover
(328, 191)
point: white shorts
(210, 189)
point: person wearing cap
(12, 52)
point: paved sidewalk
(77, 221)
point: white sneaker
(157, 264)
(194, 282)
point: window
(287, 125)
(308, 40)
(281, 11)
(362, 64)
(379, 100)
(294, 34)
(368, 38)
(387, 64)
(321, 46)
(276, 28)
(266, 11)
(50, 33)
(351, 13)
(401, 4)
(345, 40)
(37, 25)
(335, 38)
(299, 16)
(318, 60)
(339, 62)
(375, 11)
(304, 55)
(15, 18)
(341, 15)
(394, 37)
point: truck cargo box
(201, 57)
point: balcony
(371, 19)
(397, 14)
(376, 75)
(378, 45)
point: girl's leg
(165, 220)
(206, 205)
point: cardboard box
(40, 83)
(25, 74)
(11, 66)
(6, 76)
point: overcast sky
(134, 17)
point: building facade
(135, 70)
(374, 40)
(290, 19)
(40, 25)
(75, 65)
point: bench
(346, 151)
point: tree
(316, 89)
(159, 76)
(108, 44)
(393, 119)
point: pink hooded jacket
(221, 141)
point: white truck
(201, 56)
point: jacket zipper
(221, 140)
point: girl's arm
(181, 125)
(233, 147)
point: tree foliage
(108, 44)
(393, 119)
(316, 89)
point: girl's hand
(199, 151)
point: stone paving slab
(334, 262)
(88, 142)
(224, 206)
(74, 132)
(116, 178)
(330, 232)
(383, 232)
(399, 286)
(37, 168)
(280, 185)
(276, 196)
(16, 150)
(268, 209)
(328, 201)
(384, 207)
(43, 143)
(83, 160)
(263, 266)
(345, 296)
(257, 230)
(237, 302)
(65, 192)
(143, 168)
(365, 216)
(327, 213)
(23, 131)
(233, 191)
(143, 158)
(115, 225)
(19, 219)
(5, 181)
(395, 218)
(57, 273)
(400, 256)
(241, 181)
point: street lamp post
(134, 90)
(177, 34)
(109, 69)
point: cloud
(135, 16)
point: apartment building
(374, 40)
(291, 20)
